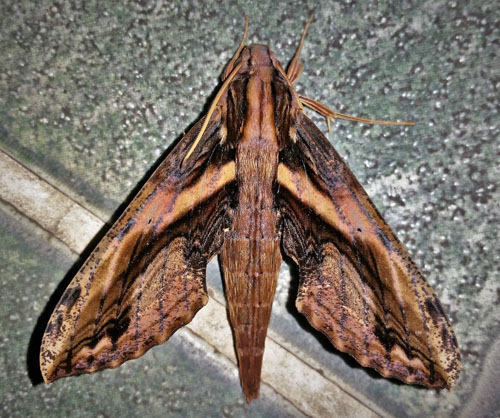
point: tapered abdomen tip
(250, 367)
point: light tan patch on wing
(302, 188)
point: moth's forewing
(146, 278)
(358, 284)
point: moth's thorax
(260, 100)
(259, 121)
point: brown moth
(252, 179)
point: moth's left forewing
(146, 278)
(358, 284)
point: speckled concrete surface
(93, 94)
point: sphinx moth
(252, 179)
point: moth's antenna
(212, 109)
(295, 67)
(230, 65)
(229, 74)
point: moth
(253, 179)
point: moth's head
(257, 55)
(253, 59)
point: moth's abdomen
(250, 254)
(251, 260)
(250, 285)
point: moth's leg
(331, 115)
(295, 67)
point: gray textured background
(93, 93)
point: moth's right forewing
(358, 284)
(146, 278)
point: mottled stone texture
(92, 94)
